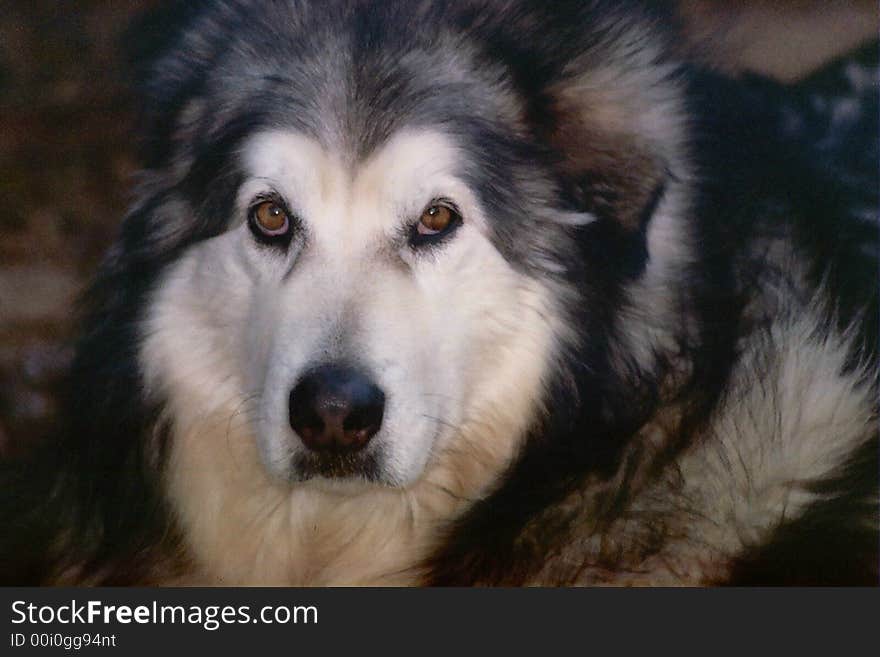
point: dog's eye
(437, 221)
(270, 218)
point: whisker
(441, 421)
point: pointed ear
(614, 137)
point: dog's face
(363, 313)
(375, 311)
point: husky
(468, 293)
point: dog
(467, 293)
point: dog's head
(394, 220)
(375, 237)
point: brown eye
(270, 218)
(436, 219)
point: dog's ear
(612, 123)
(612, 145)
(165, 66)
(607, 167)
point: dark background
(66, 160)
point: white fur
(793, 415)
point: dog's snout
(335, 408)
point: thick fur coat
(646, 354)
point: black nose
(334, 408)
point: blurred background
(66, 154)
